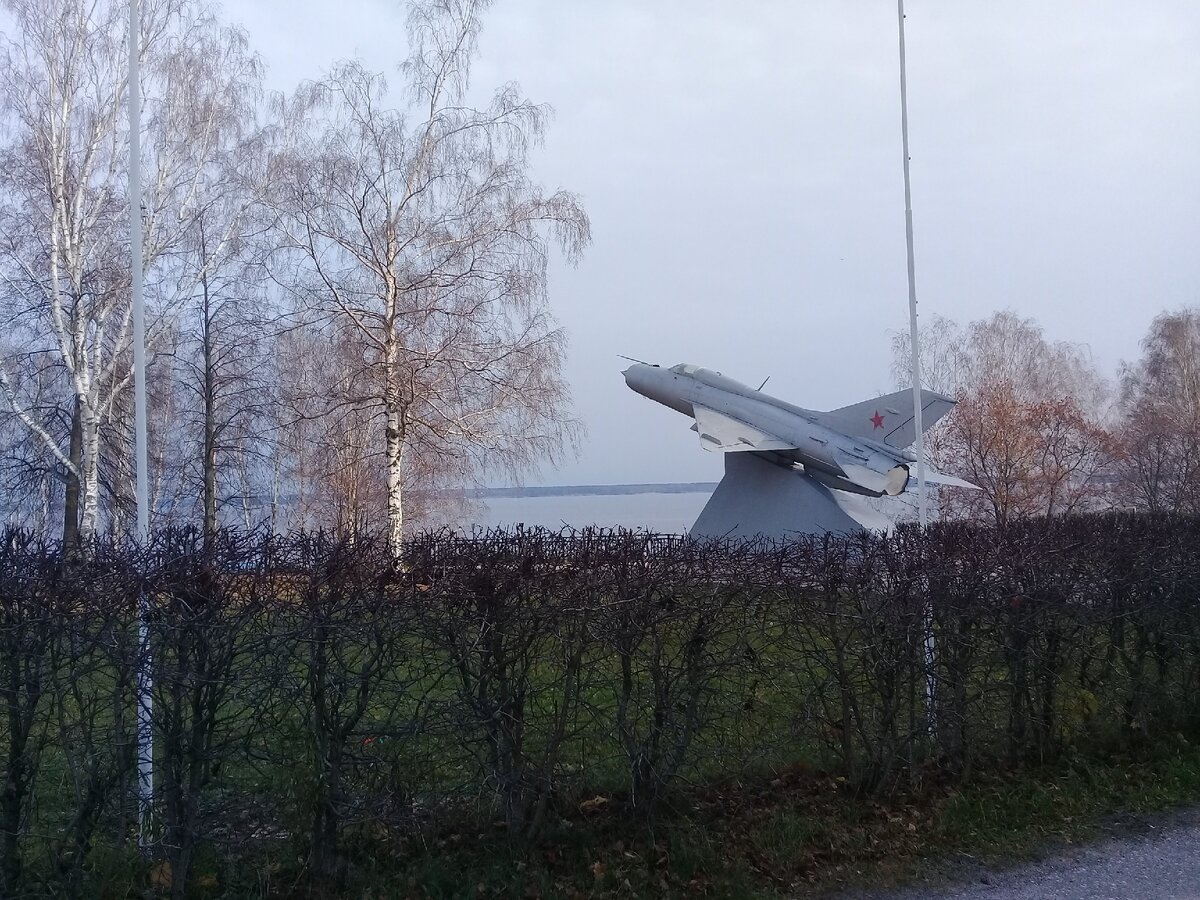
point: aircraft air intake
(897, 480)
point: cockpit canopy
(689, 369)
(714, 379)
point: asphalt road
(1160, 860)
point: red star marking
(877, 420)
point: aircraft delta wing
(726, 434)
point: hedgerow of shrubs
(314, 687)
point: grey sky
(741, 165)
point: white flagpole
(145, 735)
(922, 510)
(922, 507)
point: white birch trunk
(89, 481)
(394, 433)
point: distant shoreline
(590, 490)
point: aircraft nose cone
(638, 379)
(657, 385)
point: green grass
(794, 828)
(801, 833)
(1005, 817)
(796, 831)
(807, 833)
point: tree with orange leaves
(1029, 428)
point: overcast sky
(740, 162)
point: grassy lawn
(806, 834)
(798, 833)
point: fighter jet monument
(790, 470)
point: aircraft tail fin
(889, 419)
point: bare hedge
(312, 686)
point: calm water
(664, 513)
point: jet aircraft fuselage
(859, 448)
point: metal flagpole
(145, 735)
(918, 405)
(922, 511)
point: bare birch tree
(426, 240)
(64, 250)
(1160, 399)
